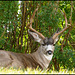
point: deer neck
(40, 58)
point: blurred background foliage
(14, 16)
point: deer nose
(49, 52)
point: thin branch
(66, 37)
(3, 33)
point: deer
(41, 57)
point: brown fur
(11, 59)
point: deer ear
(35, 37)
(57, 38)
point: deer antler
(30, 24)
(66, 27)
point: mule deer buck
(41, 57)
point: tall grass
(34, 71)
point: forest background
(14, 16)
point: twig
(3, 33)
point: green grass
(34, 71)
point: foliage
(49, 17)
(65, 58)
(7, 23)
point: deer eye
(49, 52)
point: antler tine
(56, 34)
(30, 24)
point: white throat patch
(49, 57)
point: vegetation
(34, 71)
(14, 36)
